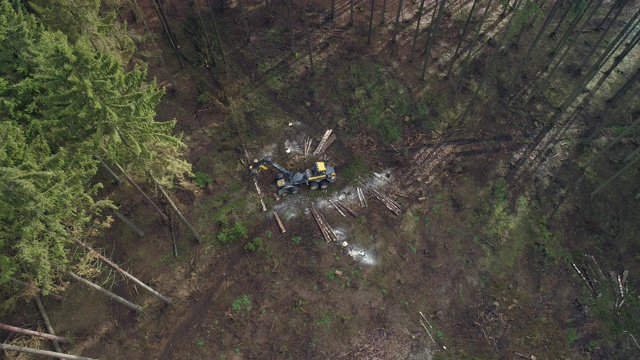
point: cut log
(255, 181)
(108, 293)
(43, 313)
(32, 333)
(337, 208)
(280, 224)
(349, 210)
(126, 274)
(42, 352)
(164, 217)
(129, 223)
(324, 139)
(175, 208)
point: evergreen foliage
(61, 103)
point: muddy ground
(477, 265)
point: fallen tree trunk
(42, 352)
(43, 313)
(32, 333)
(164, 217)
(108, 293)
(124, 273)
(175, 208)
(108, 169)
(129, 223)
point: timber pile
(389, 202)
(325, 142)
(327, 232)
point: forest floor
(476, 265)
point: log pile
(325, 142)
(327, 232)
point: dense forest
(485, 207)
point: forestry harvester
(319, 176)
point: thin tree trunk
(527, 56)
(397, 23)
(43, 313)
(623, 90)
(175, 208)
(621, 37)
(384, 10)
(594, 48)
(462, 35)
(547, 78)
(309, 45)
(332, 12)
(290, 17)
(433, 33)
(415, 34)
(244, 22)
(164, 217)
(627, 130)
(124, 273)
(616, 175)
(371, 23)
(351, 12)
(215, 28)
(108, 293)
(32, 333)
(155, 44)
(553, 32)
(487, 10)
(50, 294)
(206, 37)
(618, 59)
(129, 223)
(503, 36)
(42, 352)
(167, 29)
(108, 169)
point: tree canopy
(61, 103)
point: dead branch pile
(327, 232)
(595, 278)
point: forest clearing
(484, 205)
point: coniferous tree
(533, 45)
(169, 32)
(384, 9)
(433, 33)
(244, 23)
(415, 34)
(462, 35)
(371, 22)
(290, 17)
(397, 23)
(215, 28)
(61, 104)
